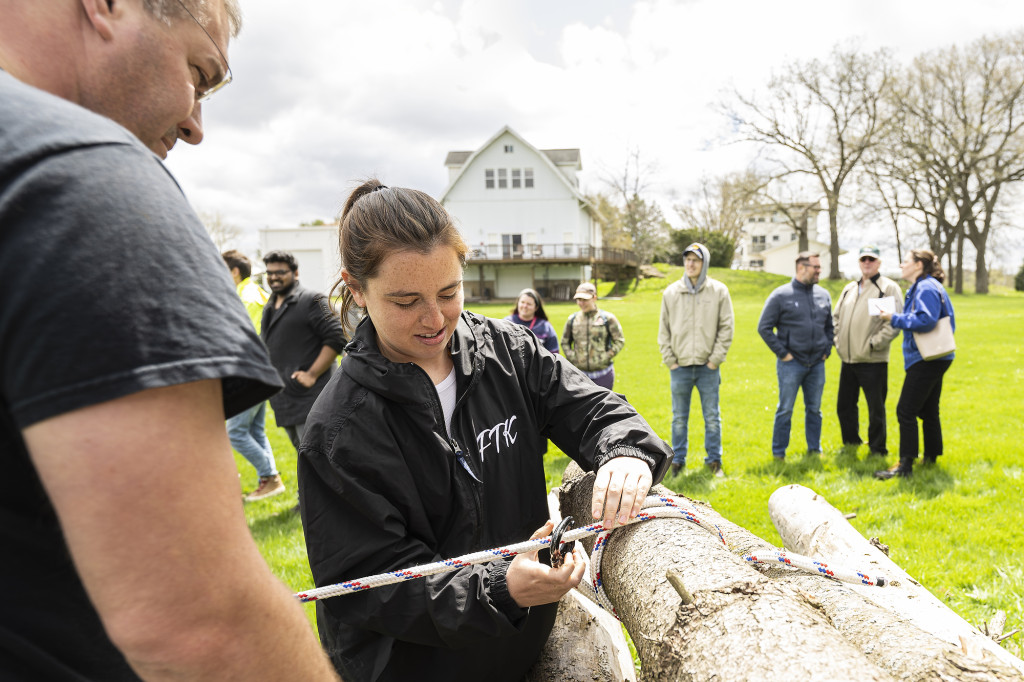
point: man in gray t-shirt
(131, 557)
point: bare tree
(823, 117)
(722, 203)
(223, 233)
(962, 131)
(641, 217)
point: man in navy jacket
(796, 323)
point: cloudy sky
(328, 92)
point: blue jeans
(707, 381)
(248, 436)
(794, 376)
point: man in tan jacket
(862, 341)
(694, 336)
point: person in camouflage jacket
(592, 338)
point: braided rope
(654, 507)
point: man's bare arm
(147, 495)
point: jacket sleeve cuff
(626, 451)
(497, 590)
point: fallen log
(735, 622)
(738, 624)
(586, 643)
(808, 524)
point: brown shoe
(268, 487)
(902, 470)
(716, 469)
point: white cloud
(327, 93)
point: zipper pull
(461, 457)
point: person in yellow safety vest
(247, 430)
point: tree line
(933, 148)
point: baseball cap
(694, 248)
(586, 291)
(870, 250)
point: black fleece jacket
(384, 487)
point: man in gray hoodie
(796, 323)
(694, 335)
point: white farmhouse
(770, 243)
(525, 221)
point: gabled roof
(563, 156)
(560, 157)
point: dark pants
(919, 399)
(873, 379)
(295, 433)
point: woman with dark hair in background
(926, 303)
(429, 443)
(529, 312)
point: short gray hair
(164, 9)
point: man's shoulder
(717, 285)
(886, 284)
(781, 290)
(674, 288)
(35, 122)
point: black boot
(904, 470)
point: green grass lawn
(958, 528)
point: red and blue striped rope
(655, 507)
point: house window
(527, 178)
(792, 236)
(508, 149)
(517, 180)
(757, 263)
(761, 219)
(489, 178)
(775, 237)
(502, 178)
(757, 242)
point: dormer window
(508, 149)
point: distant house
(770, 243)
(526, 222)
(315, 248)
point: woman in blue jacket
(529, 312)
(925, 304)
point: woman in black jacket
(429, 443)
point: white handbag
(937, 342)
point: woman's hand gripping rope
(531, 582)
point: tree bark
(741, 623)
(808, 524)
(736, 624)
(586, 644)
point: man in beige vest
(862, 341)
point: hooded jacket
(696, 324)
(385, 487)
(797, 319)
(860, 337)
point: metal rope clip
(557, 548)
